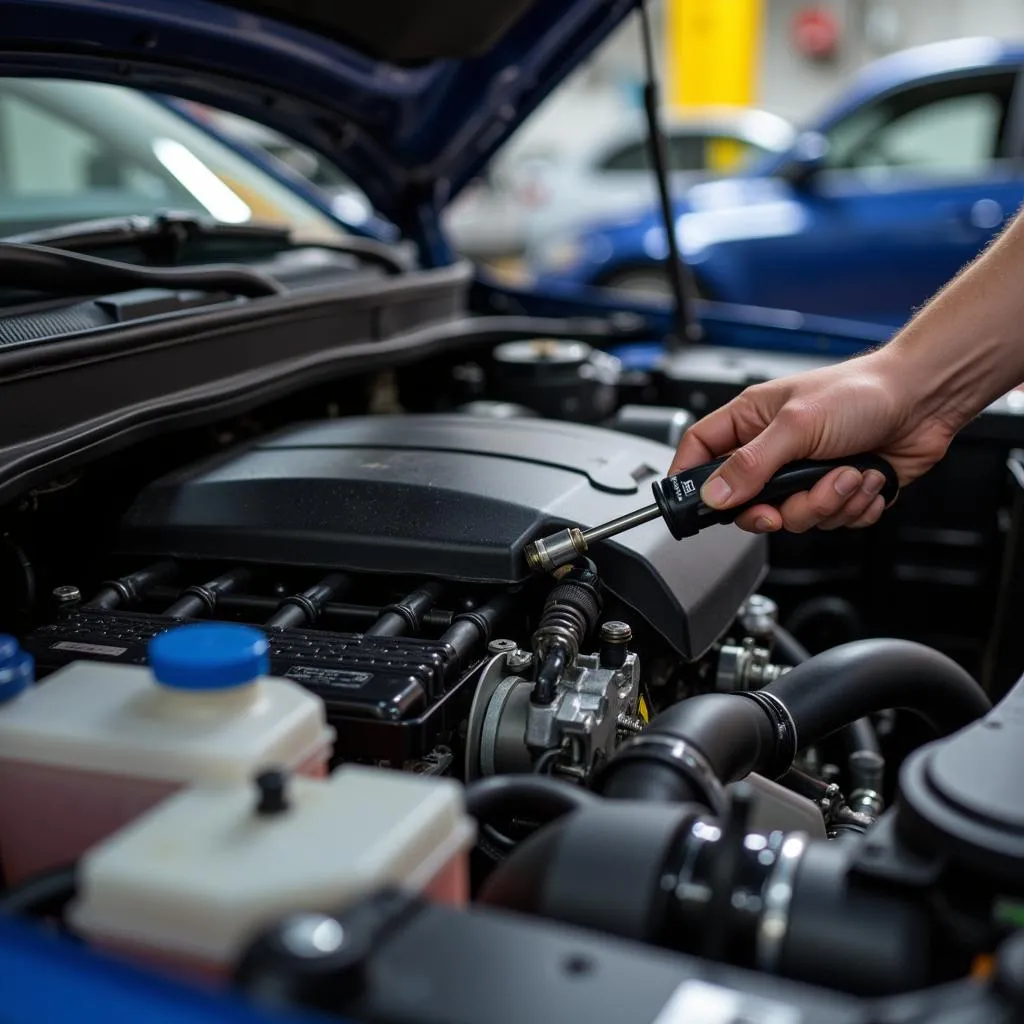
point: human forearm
(966, 347)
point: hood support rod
(686, 326)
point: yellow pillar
(712, 50)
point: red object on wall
(816, 33)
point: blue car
(895, 188)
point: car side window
(626, 158)
(687, 151)
(951, 128)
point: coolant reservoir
(96, 744)
(189, 884)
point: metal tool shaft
(623, 523)
(550, 553)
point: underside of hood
(410, 98)
(401, 31)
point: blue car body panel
(841, 246)
(45, 978)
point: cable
(546, 761)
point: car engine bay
(629, 768)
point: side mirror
(806, 158)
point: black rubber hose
(38, 268)
(471, 632)
(550, 672)
(203, 597)
(305, 608)
(739, 733)
(869, 676)
(732, 732)
(789, 649)
(858, 735)
(128, 589)
(535, 796)
(405, 617)
(43, 895)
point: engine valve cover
(450, 498)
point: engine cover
(450, 497)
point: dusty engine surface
(383, 557)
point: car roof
(932, 60)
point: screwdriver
(677, 500)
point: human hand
(855, 407)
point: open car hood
(409, 97)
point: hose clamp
(205, 594)
(778, 899)
(308, 608)
(123, 589)
(786, 745)
(683, 756)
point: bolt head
(614, 632)
(517, 661)
(67, 594)
(501, 646)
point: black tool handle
(678, 496)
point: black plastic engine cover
(450, 497)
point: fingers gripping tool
(677, 500)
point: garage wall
(790, 84)
(796, 87)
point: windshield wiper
(165, 238)
(59, 272)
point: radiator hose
(695, 748)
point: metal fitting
(866, 802)
(829, 800)
(501, 646)
(746, 667)
(614, 632)
(615, 636)
(549, 553)
(518, 661)
(758, 616)
(631, 723)
(774, 924)
(67, 595)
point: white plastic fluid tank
(192, 882)
(93, 746)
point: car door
(912, 187)
(620, 180)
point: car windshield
(76, 151)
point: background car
(897, 186)
(551, 181)
(545, 191)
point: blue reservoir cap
(209, 656)
(17, 669)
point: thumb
(750, 467)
